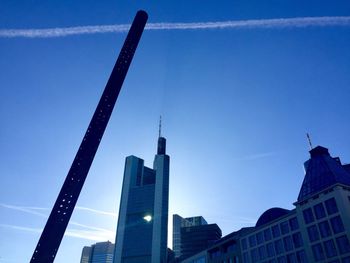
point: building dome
(270, 215)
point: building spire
(161, 140)
(309, 140)
(160, 127)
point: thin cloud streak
(31, 210)
(96, 211)
(255, 156)
(89, 235)
(297, 22)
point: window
(324, 228)
(345, 260)
(259, 237)
(297, 240)
(244, 243)
(319, 211)
(291, 258)
(278, 246)
(318, 252)
(267, 234)
(282, 260)
(301, 257)
(308, 216)
(288, 244)
(331, 206)
(313, 233)
(337, 224)
(293, 223)
(276, 231)
(284, 227)
(254, 255)
(245, 257)
(330, 248)
(270, 250)
(252, 241)
(343, 244)
(262, 252)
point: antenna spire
(160, 127)
(309, 140)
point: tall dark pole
(56, 225)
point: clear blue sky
(236, 105)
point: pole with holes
(57, 222)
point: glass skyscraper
(143, 212)
(101, 252)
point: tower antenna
(160, 127)
(309, 140)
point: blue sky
(236, 105)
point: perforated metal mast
(57, 222)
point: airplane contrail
(296, 22)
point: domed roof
(270, 215)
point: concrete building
(143, 212)
(316, 230)
(101, 252)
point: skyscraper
(101, 252)
(143, 212)
(178, 223)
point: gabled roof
(322, 171)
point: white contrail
(90, 235)
(296, 22)
(32, 210)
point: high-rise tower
(143, 212)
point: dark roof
(322, 171)
(270, 215)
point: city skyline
(236, 106)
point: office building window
(313, 233)
(270, 250)
(325, 229)
(331, 206)
(345, 260)
(284, 227)
(245, 257)
(272, 261)
(301, 257)
(297, 240)
(267, 234)
(291, 258)
(252, 241)
(319, 211)
(282, 260)
(262, 252)
(330, 249)
(288, 244)
(279, 246)
(343, 244)
(254, 255)
(244, 243)
(334, 261)
(293, 223)
(276, 231)
(308, 216)
(259, 238)
(318, 252)
(337, 224)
